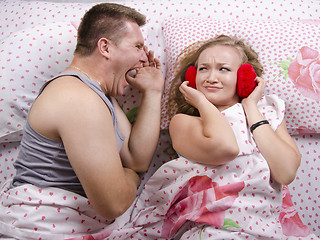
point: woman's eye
(224, 69)
(202, 68)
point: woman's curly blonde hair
(189, 56)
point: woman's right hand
(191, 95)
(207, 139)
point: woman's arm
(207, 139)
(280, 151)
(277, 147)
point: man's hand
(150, 76)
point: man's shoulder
(70, 87)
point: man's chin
(123, 89)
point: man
(77, 112)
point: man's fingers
(157, 63)
(151, 58)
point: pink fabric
(289, 218)
(187, 200)
(184, 199)
(304, 72)
(201, 201)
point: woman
(207, 135)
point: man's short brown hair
(106, 20)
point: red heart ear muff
(246, 80)
(190, 76)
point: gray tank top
(43, 161)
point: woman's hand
(191, 95)
(257, 93)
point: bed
(37, 39)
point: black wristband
(257, 124)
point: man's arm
(81, 120)
(142, 137)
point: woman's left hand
(257, 93)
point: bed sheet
(186, 200)
(304, 189)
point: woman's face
(217, 75)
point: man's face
(128, 54)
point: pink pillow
(288, 50)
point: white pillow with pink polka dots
(18, 18)
(289, 51)
(28, 58)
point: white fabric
(187, 200)
(29, 212)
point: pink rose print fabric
(289, 218)
(202, 201)
(304, 72)
(182, 200)
(238, 200)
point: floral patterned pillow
(288, 49)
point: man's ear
(104, 46)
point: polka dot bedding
(284, 47)
(37, 41)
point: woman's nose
(212, 77)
